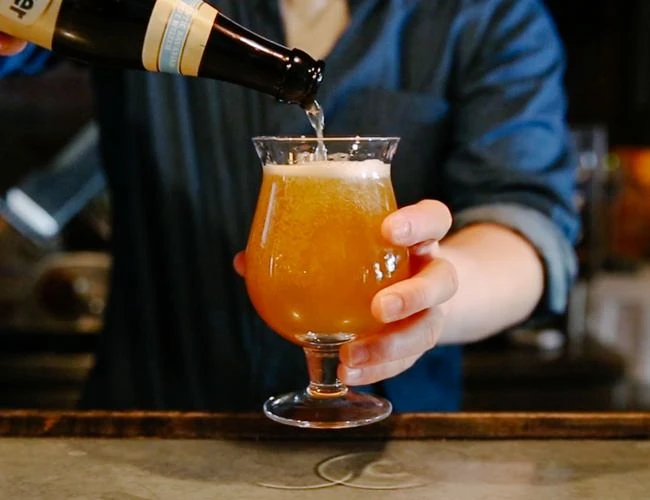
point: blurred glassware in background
(616, 296)
(590, 142)
(591, 149)
(50, 277)
(44, 202)
(630, 237)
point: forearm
(500, 281)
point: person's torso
(180, 331)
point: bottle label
(176, 37)
(32, 20)
(23, 11)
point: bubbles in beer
(316, 118)
(318, 225)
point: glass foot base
(354, 409)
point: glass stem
(322, 363)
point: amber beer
(315, 256)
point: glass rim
(306, 138)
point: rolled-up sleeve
(553, 247)
(512, 161)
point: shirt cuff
(556, 251)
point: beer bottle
(187, 37)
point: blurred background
(55, 232)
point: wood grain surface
(256, 427)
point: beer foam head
(367, 169)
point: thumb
(10, 46)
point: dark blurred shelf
(47, 370)
(34, 341)
(499, 376)
(45, 380)
(503, 363)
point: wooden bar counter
(137, 456)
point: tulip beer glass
(316, 257)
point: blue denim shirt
(473, 88)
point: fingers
(368, 360)
(10, 46)
(428, 220)
(372, 374)
(415, 308)
(239, 263)
(436, 283)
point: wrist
(452, 309)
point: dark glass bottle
(188, 37)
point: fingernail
(358, 354)
(352, 375)
(400, 230)
(391, 306)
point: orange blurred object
(630, 211)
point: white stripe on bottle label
(176, 36)
(32, 20)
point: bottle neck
(238, 55)
(301, 80)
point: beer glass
(316, 257)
